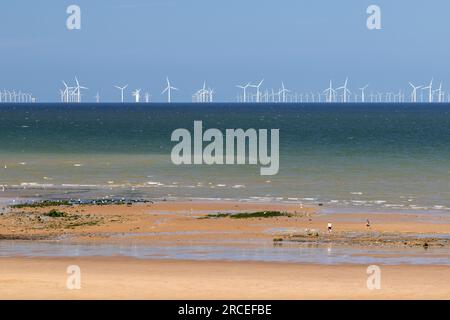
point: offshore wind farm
(251, 92)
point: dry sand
(123, 278)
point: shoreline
(319, 208)
(350, 205)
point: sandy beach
(121, 278)
(175, 224)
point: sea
(376, 157)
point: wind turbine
(363, 97)
(97, 97)
(430, 93)
(380, 96)
(168, 89)
(329, 93)
(345, 91)
(414, 92)
(202, 95)
(121, 90)
(66, 91)
(211, 94)
(400, 96)
(137, 94)
(78, 90)
(272, 94)
(283, 91)
(257, 90)
(439, 92)
(244, 87)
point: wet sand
(169, 220)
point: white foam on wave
(415, 207)
(207, 199)
(74, 185)
(36, 185)
(262, 198)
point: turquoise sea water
(375, 156)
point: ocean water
(361, 156)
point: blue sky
(140, 42)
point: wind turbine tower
(258, 94)
(77, 90)
(363, 97)
(329, 93)
(244, 87)
(137, 95)
(283, 91)
(414, 92)
(169, 89)
(345, 91)
(430, 91)
(121, 91)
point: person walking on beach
(368, 223)
(330, 227)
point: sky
(303, 43)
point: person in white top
(330, 227)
